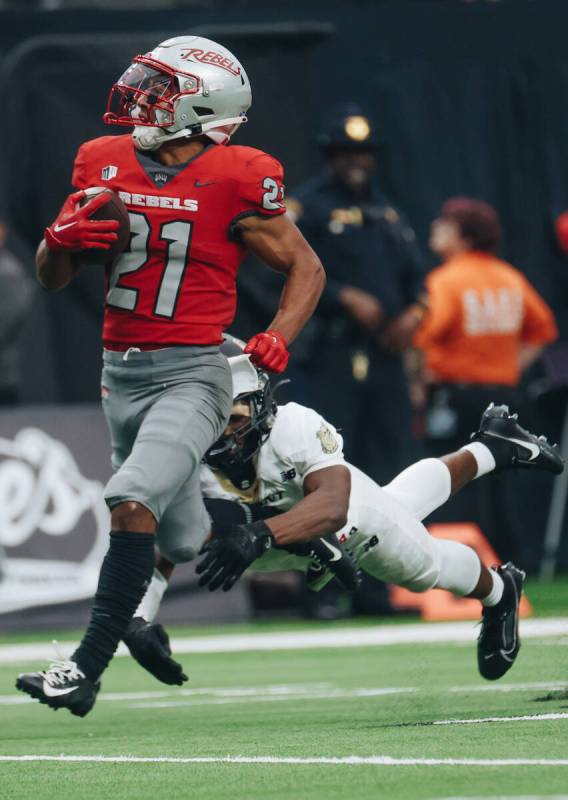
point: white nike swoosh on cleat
(334, 550)
(51, 691)
(58, 228)
(533, 449)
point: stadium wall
(54, 524)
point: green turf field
(365, 702)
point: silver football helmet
(184, 87)
(233, 454)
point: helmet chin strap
(148, 138)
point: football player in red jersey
(197, 205)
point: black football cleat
(513, 446)
(149, 645)
(498, 643)
(63, 685)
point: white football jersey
(300, 442)
(385, 535)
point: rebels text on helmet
(211, 57)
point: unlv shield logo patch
(107, 173)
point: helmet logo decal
(211, 57)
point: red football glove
(74, 231)
(268, 351)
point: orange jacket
(481, 310)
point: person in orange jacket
(485, 325)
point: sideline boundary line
(522, 718)
(376, 636)
(386, 761)
(175, 697)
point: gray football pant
(164, 409)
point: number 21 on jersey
(177, 235)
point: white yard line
(524, 718)
(223, 695)
(422, 633)
(229, 694)
(327, 694)
(510, 687)
(385, 761)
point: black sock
(125, 574)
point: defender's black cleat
(63, 685)
(498, 643)
(149, 645)
(513, 446)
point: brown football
(113, 209)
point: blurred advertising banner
(54, 523)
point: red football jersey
(176, 282)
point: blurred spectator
(16, 291)
(485, 326)
(351, 367)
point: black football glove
(326, 556)
(149, 644)
(227, 558)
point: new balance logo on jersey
(107, 173)
(289, 475)
(157, 201)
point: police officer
(371, 306)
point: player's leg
(499, 443)
(182, 531)
(124, 573)
(397, 548)
(163, 467)
(188, 409)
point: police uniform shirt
(362, 244)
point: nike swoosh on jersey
(58, 228)
(199, 184)
(335, 551)
(51, 691)
(533, 449)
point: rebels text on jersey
(176, 282)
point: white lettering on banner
(492, 311)
(42, 491)
(159, 201)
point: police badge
(329, 443)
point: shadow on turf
(557, 694)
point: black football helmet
(233, 454)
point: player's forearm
(318, 514)
(304, 284)
(54, 270)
